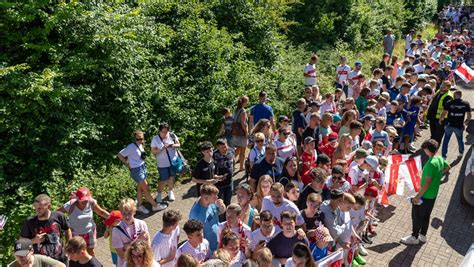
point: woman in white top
(139, 254)
(258, 151)
(301, 257)
(133, 156)
(285, 146)
(164, 146)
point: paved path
(449, 236)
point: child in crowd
(321, 244)
(359, 223)
(308, 159)
(331, 146)
(114, 219)
(328, 105)
(227, 121)
(412, 118)
(361, 101)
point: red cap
(332, 136)
(83, 194)
(115, 215)
(371, 191)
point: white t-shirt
(286, 205)
(355, 143)
(419, 68)
(290, 263)
(310, 69)
(325, 107)
(354, 76)
(247, 231)
(256, 154)
(382, 112)
(408, 40)
(357, 175)
(342, 73)
(162, 244)
(285, 149)
(120, 240)
(346, 226)
(201, 253)
(257, 236)
(153, 264)
(357, 216)
(162, 158)
(133, 154)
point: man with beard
(46, 229)
(276, 204)
(268, 165)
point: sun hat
(321, 233)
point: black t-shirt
(304, 196)
(262, 167)
(387, 81)
(54, 227)
(92, 263)
(298, 122)
(457, 109)
(432, 109)
(205, 171)
(313, 222)
(308, 131)
(282, 247)
(224, 166)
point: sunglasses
(138, 139)
(258, 141)
(337, 177)
(137, 256)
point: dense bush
(76, 79)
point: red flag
(465, 73)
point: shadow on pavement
(456, 228)
(382, 248)
(386, 213)
(406, 256)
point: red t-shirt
(309, 162)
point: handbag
(237, 126)
(180, 164)
(470, 127)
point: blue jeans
(448, 131)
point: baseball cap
(371, 191)
(83, 194)
(309, 139)
(283, 118)
(361, 153)
(332, 137)
(114, 216)
(336, 118)
(449, 63)
(369, 117)
(373, 162)
(358, 63)
(366, 144)
(23, 246)
(336, 193)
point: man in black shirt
(318, 176)
(76, 250)
(224, 160)
(454, 114)
(270, 165)
(205, 170)
(45, 230)
(312, 129)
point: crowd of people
(312, 182)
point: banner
(335, 259)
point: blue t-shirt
(318, 253)
(393, 92)
(411, 116)
(261, 111)
(210, 218)
(393, 116)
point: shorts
(166, 173)
(114, 258)
(90, 238)
(139, 174)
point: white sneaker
(143, 210)
(171, 196)
(159, 206)
(158, 198)
(362, 250)
(422, 238)
(410, 240)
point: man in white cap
(24, 257)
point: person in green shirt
(423, 201)
(361, 101)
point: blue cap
(358, 63)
